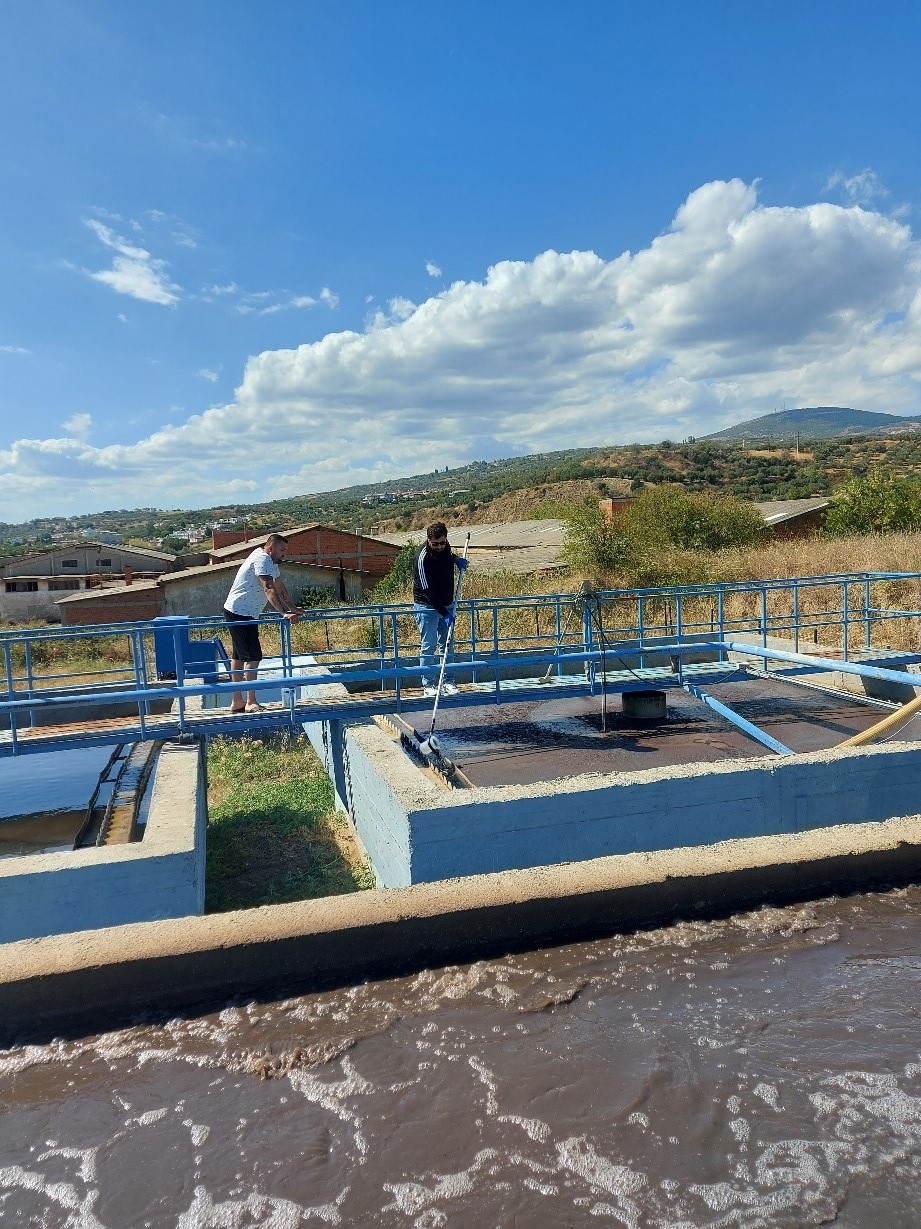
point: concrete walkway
(96, 980)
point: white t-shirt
(247, 596)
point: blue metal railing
(490, 625)
(375, 646)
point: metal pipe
(747, 727)
(822, 663)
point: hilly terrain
(792, 454)
(819, 422)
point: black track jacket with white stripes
(433, 577)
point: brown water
(763, 1070)
(47, 832)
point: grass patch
(274, 834)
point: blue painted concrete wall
(471, 832)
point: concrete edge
(93, 980)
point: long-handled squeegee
(429, 746)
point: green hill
(822, 422)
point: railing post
(27, 658)
(845, 618)
(180, 676)
(588, 643)
(495, 649)
(287, 654)
(8, 667)
(867, 623)
(720, 619)
(474, 625)
(136, 638)
(381, 645)
(395, 653)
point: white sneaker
(430, 692)
(448, 689)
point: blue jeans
(433, 636)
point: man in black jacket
(433, 601)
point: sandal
(254, 708)
(237, 711)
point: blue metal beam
(747, 727)
(822, 663)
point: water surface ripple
(762, 1070)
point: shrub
(669, 516)
(398, 580)
(594, 545)
(313, 596)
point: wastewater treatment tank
(44, 799)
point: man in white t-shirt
(258, 581)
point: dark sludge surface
(762, 1070)
(528, 742)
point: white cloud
(735, 308)
(134, 271)
(178, 130)
(861, 189)
(210, 293)
(256, 302)
(219, 145)
(432, 269)
(79, 425)
(329, 297)
(400, 308)
(14, 350)
(207, 374)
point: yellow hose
(887, 723)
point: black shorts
(244, 637)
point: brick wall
(230, 537)
(124, 605)
(330, 546)
(613, 507)
(322, 545)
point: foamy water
(763, 1070)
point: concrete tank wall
(101, 979)
(162, 876)
(415, 832)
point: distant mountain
(819, 422)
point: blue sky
(256, 250)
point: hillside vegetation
(791, 467)
(755, 474)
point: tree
(878, 503)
